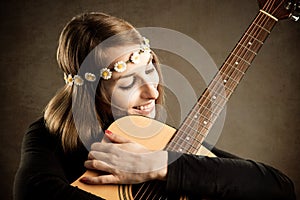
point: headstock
(281, 9)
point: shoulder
(39, 124)
(38, 135)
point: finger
(99, 146)
(116, 138)
(98, 165)
(104, 179)
(91, 156)
(99, 155)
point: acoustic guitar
(192, 132)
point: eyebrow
(128, 75)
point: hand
(126, 162)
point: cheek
(155, 78)
(124, 99)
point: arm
(197, 176)
(226, 178)
(40, 175)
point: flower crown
(105, 72)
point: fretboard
(201, 118)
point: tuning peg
(288, 5)
(295, 7)
(294, 18)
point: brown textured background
(262, 116)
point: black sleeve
(226, 178)
(40, 175)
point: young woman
(105, 81)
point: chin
(152, 114)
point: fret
(231, 80)
(181, 143)
(244, 53)
(248, 49)
(206, 99)
(222, 87)
(217, 102)
(176, 146)
(215, 93)
(184, 146)
(236, 65)
(205, 120)
(200, 115)
(233, 71)
(220, 84)
(201, 110)
(219, 91)
(205, 109)
(194, 144)
(190, 148)
(198, 131)
(251, 44)
(257, 33)
(263, 28)
(231, 77)
(261, 42)
(246, 61)
(191, 137)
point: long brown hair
(79, 38)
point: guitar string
(245, 52)
(144, 190)
(214, 84)
(154, 186)
(275, 9)
(156, 191)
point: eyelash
(129, 86)
(149, 71)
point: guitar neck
(205, 112)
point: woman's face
(134, 91)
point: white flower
(145, 48)
(105, 73)
(120, 66)
(68, 79)
(78, 80)
(135, 57)
(90, 77)
(146, 41)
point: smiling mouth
(145, 108)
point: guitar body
(150, 133)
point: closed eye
(150, 70)
(130, 85)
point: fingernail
(84, 179)
(108, 132)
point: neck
(198, 123)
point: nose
(149, 91)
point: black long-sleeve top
(46, 172)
